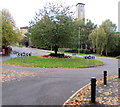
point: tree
(84, 29)
(106, 32)
(79, 26)
(98, 38)
(52, 26)
(115, 51)
(10, 34)
(109, 29)
(89, 26)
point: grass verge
(37, 61)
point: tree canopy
(98, 37)
(109, 29)
(83, 29)
(10, 34)
(53, 25)
(104, 38)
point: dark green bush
(57, 55)
(118, 57)
(86, 51)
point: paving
(106, 95)
(51, 86)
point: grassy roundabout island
(38, 61)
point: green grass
(37, 61)
(19, 46)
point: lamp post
(79, 41)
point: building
(119, 16)
(24, 30)
(80, 10)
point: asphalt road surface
(52, 87)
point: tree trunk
(106, 52)
(101, 53)
(56, 49)
(86, 47)
(51, 47)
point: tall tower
(119, 16)
(80, 10)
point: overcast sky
(96, 10)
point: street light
(79, 41)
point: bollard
(93, 89)
(27, 54)
(18, 54)
(105, 77)
(118, 72)
(30, 54)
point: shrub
(57, 55)
(118, 57)
(86, 51)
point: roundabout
(49, 86)
(53, 62)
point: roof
(80, 3)
(26, 27)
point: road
(52, 87)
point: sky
(97, 11)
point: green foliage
(118, 57)
(53, 25)
(98, 38)
(104, 38)
(85, 51)
(109, 29)
(82, 31)
(115, 47)
(10, 34)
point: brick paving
(108, 95)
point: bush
(57, 55)
(118, 57)
(72, 51)
(86, 51)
